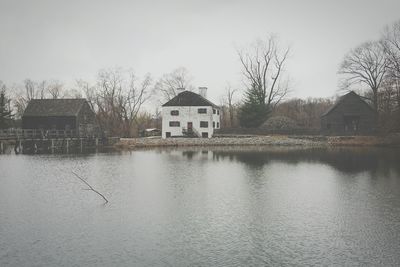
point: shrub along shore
(270, 140)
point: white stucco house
(190, 114)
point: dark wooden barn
(59, 114)
(351, 115)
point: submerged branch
(90, 187)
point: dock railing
(19, 134)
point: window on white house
(217, 125)
(204, 124)
(214, 111)
(202, 111)
(217, 112)
(174, 112)
(213, 124)
(174, 124)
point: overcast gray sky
(66, 40)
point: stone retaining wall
(271, 140)
(225, 141)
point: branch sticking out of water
(90, 187)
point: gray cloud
(66, 40)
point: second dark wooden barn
(351, 115)
(59, 114)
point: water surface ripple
(202, 207)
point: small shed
(59, 114)
(150, 132)
(350, 115)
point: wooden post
(67, 145)
(52, 146)
(97, 142)
(20, 146)
(81, 145)
(1, 148)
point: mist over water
(202, 207)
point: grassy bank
(271, 140)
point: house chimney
(203, 91)
(179, 90)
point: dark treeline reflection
(348, 160)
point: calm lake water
(202, 207)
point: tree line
(118, 96)
(372, 69)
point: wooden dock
(52, 141)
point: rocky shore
(271, 140)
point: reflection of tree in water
(189, 154)
(348, 160)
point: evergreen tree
(254, 111)
(5, 110)
(262, 67)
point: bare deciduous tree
(35, 90)
(30, 89)
(23, 94)
(228, 101)
(391, 42)
(263, 68)
(169, 84)
(55, 89)
(88, 91)
(137, 94)
(365, 65)
(41, 89)
(117, 98)
(305, 112)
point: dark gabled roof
(187, 98)
(53, 107)
(342, 98)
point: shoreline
(269, 140)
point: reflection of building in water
(349, 116)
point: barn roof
(53, 107)
(187, 98)
(342, 98)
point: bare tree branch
(169, 84)
(117, 98)
(90, 187)
(262, 68)
(366, 64)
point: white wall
(217, 118)
(188, 114)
